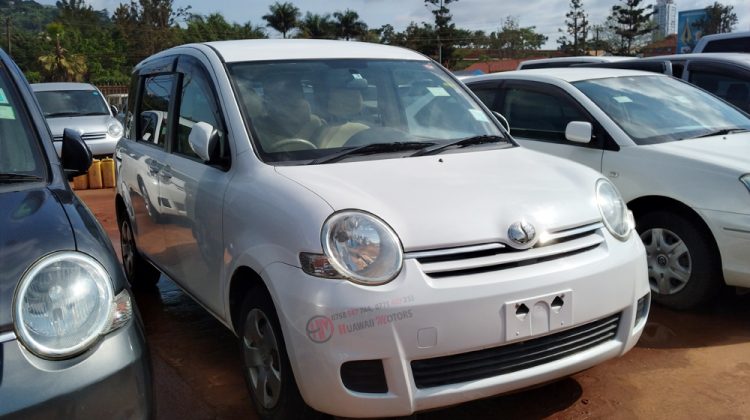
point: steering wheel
(292, 144)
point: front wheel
(684, 270)
(266, 366)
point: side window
(488, 95)
(154, 109)
(197, 104)
(539, 115)
(733, 90)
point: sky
(546, 15)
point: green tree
(632, 23)
(215, 28)
(512, 40)
(348, 25)
(576, 32)
(58, 66)
(148, 26)
(443, 28)
(719, 19)
(316, 26)
(283, 17)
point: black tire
(704, 280)
(139, 272)
(288, 403)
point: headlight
(362, 248)
(114, 129)
(614, 212)
(64, 303)
(745, 179)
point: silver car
(82, 107)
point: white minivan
(365, 226)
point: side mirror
(114, 110)
(203, 140)
(578, 131)
(75, 156)
(503, 120)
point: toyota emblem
(522, 234)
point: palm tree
(348, 24)
(56, 66)
(316, 26)
(283, 17)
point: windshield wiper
(61, 114)
(8, 178)
(722, 132)
(372, 149)
(468, 141)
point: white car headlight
(114, 129)
(615, 213)
(362, 248)
(64, 303)
(745, 179)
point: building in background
(665, 17)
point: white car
(543, 63)
(366, 228)
(678, 155)
(82, 107)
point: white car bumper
(327, 323)
(732, 234)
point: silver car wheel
(127, 246)
(262, 360)
(669, 261)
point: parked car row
(373, 235)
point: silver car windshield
(657, 109)
(71, 103)
(309, 110)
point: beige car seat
(343, 105)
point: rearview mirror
(203, 139)
(578, 131)
(75, 156)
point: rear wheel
(266, 367)
(140, 273)
(683, 269)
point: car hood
(33, 224)
(730, 151)
(87, 124)
(457, 199)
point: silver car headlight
(617, 218)
(362, 248)
(64, 303)
(114, 129)
(745, 179)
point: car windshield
(312, 111)
(658, 109)
(21, 158)
(71, 103)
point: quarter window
(197, 104)
(154, 109)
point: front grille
(93, 136)
(498, 256)
(510, 358)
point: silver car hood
(86, 124)
(460, 198)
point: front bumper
(732, 234)
(327, 323)
(112, 380)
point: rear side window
(20, 151)
(729, 45)
(153, 120)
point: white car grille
(86, 136)
(499, 256)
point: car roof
(567, 74)
(304, 49)
(46, 87)
(727, 35)
(580, 58)
(740, 58)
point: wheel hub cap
(669, 261)
(262, 359)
